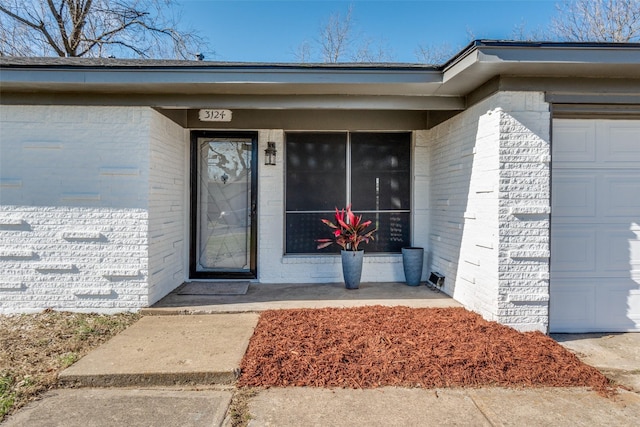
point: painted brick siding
(464, 201)
(489, 202)
(525, 205)
(168, 202)
(73, 208)
(421, 225)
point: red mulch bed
(368, 347)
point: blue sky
(271, 30)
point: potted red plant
(349, 231)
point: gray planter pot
(352, 268)
(412, 259)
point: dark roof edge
(162, 64)
(159, 64)
(476, 44)
(114, 64)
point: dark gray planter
(412, 259)
(352, 268)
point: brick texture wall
(168, 206)
(524, 209)
(489, 200)
(94, 210)
(73, 208)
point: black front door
(223, 204)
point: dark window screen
(380, 171)
(303, 229)
(316, 183)
(393, 231)
(316, 171)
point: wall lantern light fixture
(270, 154)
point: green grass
(7, 395)
(68, 359)
(35, 348)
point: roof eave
(477, 63)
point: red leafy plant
(349, 230)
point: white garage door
(595, 226)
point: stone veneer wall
(74, 208)
(524, 211)
(490, 203)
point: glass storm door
(223, 205)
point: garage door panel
(574, 195)
(634, 254)
(595, 226)
(621, 141)
(575, 142)
(574, 252)
(620, 252)
(621, 194)
(585, 306)
(572, 306)
(622, 294)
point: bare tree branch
(522, 33)
(143, 28)
(372, 52)
(338, 41)
(303, 52)
(597, 21)
(335, 36)
(19, 18)
(434, 54)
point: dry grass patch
(35, 348)
(378, 346)
(238, 411)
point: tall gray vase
(352, 268)
(412, 259)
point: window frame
(348, 188)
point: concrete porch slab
(168, 350)
(262, 297)
(617, 355)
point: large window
(371, 171)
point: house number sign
(214, 115)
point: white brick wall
(93, 209)
(525, 204)
(73, 208)
(464, 206)
(168, 206)
(489, 182)
(421, 226)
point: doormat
(214, 288)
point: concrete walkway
(443, 407)
(615, 355)
(167, 351)
(179, 371)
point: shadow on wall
(477, 156)
(453, 147)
